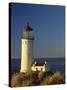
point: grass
(37, 78)
(56, 78)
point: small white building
(36, 66)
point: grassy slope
(37, 78)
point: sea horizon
(39, 57)
(55, 64)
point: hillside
(36, 78)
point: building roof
(38, 64)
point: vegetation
(37, 78)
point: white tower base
(26, 54)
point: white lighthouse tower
(26, 49)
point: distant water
(54, 64)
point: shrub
(36, 78)
(56, 78)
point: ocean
(55, 64)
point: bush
(56, 78)
(36, 78)
(24, 79)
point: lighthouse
(27, 49)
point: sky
(48, 23)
